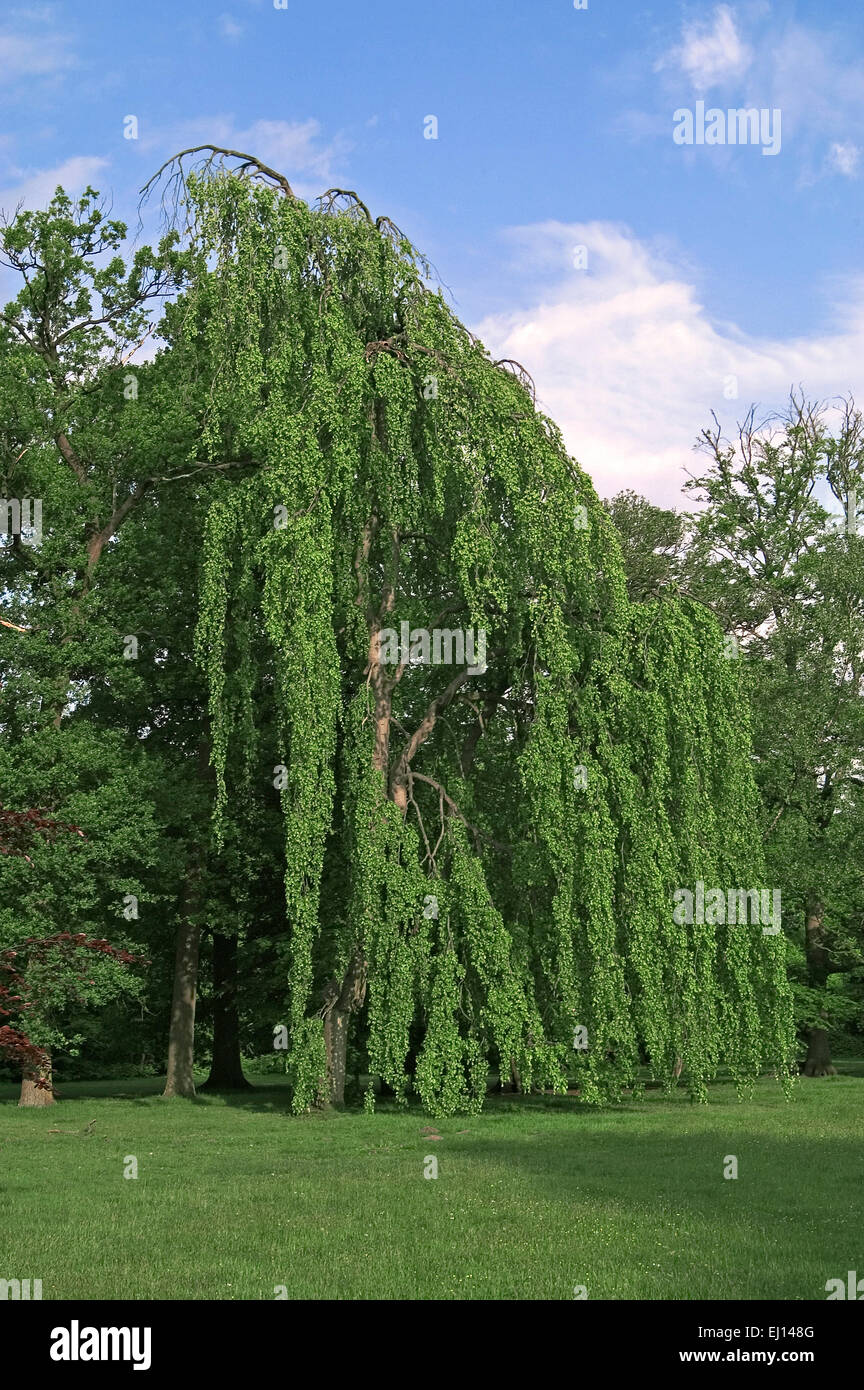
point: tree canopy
(479, 858)
(355, 687)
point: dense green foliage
(790, 577)
(332, 652)
(776, 552)
(597, 763)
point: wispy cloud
(844, 159)
(754, 58)
(33, 45)
(710, 52)
(821, 92)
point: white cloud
(710, 53)
(23, 57)
(628, 363)
(810, 74)
(293, 146)
(844, 159)
(34, 190)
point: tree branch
(249, 162)
(399, 780)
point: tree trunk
(336, 1043)
(180, 1079)
(226, 1067)
(340, 1002)
(31, 1094)
(818, 1061)
(514, 1085)
(181, 1035)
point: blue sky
(713, 276)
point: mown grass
(235, 1197)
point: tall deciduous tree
(41, 976)
(653, 545)
(480, 849)
(787, 579)
(105, 442)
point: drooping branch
(329, 202)
(454, 809)
(522, 375)
(478, 728)
(399, 779)
(219, 152)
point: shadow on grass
(676, 1181)
(269, 1093)
(265, 1093)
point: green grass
(534, 1196)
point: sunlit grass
(234, 1197)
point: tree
(101, 438)
(653, 545)
(17, 829)
(77, 319)
(49, 974)
(787, 584)
(480, 846)
(44, 974)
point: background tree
(653, 544)
(40, 977)
(50, 976)
(784, 577)
(102, 713)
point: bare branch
(248, 162)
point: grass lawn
(235, 1196)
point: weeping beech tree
(480, 856)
